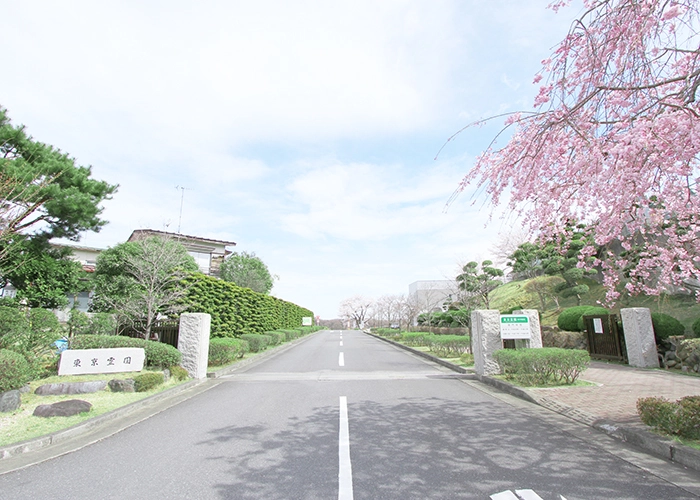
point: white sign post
(515, 326)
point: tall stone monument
(639, 337)
(486, 338)
(193, 343)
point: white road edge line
(344, 468)
(341, 360)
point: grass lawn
(21, 425)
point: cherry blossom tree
(613, 141)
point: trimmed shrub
(568, 318)
(276, 337)
(223, 351)
(589, 312)
(158, 355)
(179, 373)
(542, 366)
(256, 342)
(15, 370)
(681, 418)
(236, 310)
(449, 346)
(147, 381)
(696, 328)
(666, 326)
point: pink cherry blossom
(613, 142)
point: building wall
(430, 295)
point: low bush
(542, 366)
(158, 355)
(449, 346)
(291, 334)
(223, 351)
(179, 373)
(256, 342)
(15, 370)
(681, 418)
(666, 326)
(276, 337)
(589, 312)
(568, 319)
(147, 381)
(695, 328)
(416, 338)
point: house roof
(148, 232)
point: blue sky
(304, 131)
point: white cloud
(305, 131)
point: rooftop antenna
(182, 201)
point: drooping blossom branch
(613, 142)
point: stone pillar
(193, 343)
(535, 339)
(486, 338)
(639, 337)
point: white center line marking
(345, 467)
(341, 343)
(341, 360)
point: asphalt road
(343, 415)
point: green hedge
(158, 354)
(449, 346)
(590, 312)
(666, 326)
(223, 351)
(236, 311)
(15, 370)
(568, 319)
(542, 366)
(416, 338)
(147, 381)
(681, 418)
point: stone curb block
(646, 440)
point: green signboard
(515, 326)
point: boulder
(71, 388)
(63, 408)
(10, 401)
(122, 385)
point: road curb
(642, 438)
(87, 426)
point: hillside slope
(514, 294)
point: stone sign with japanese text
(114, 360)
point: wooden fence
(166, 331)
